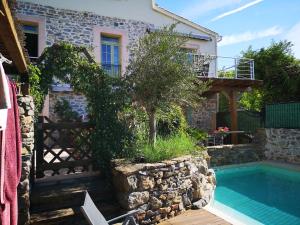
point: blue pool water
(264, 193)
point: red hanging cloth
(11, 161)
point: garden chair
(95, 217)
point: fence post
(39, 148)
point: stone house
(110, 28)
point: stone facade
(77, 102)
(78, 28)
(283, 145)
(163, 190)
(235, 154)
(205, 116)
(26, 110)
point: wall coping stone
(127, 168)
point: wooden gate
(63, 148)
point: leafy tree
(160, 73)
(252, 100)
(226, 74)
(280, 72)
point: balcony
(112, 70)
(224, 67)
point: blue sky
(242, 23)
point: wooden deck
(196, 217)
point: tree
(161, 73)
(280, 72)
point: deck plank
(196, 217)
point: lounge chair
(94, 216)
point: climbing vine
(35, 87)
(105, 96)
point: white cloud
(250, 36)
(237, 10)
(202, 7)
(293, 35)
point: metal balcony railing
(223, 67)
(112, 70)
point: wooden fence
(63, 148)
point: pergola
(230, 87)
(11, 45)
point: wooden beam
(233, 116)
(10, 39)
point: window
(31, 40)
(110, 55)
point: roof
(184, 20)
(11, 38)
(192, 36)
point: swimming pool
(258, 193)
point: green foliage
(65, 112)
(252, 100)
(170, 121)
(280, 72)
(170, 147)
(223, 103)
(196, 134)
(160, 74)
(35, 87)
(227, 74)
(105, 97)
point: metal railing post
(235, 67)
(252, 70)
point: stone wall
(77, 27)
(235, 154)
(204, 117)
(77, 102)
(283, 145)
(26, 110)
(163, 190)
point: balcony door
(110, 55)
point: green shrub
(169, 147)
(65, 112)
(196, 134)
(170, 121)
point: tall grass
(169, 147)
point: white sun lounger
(94, 216)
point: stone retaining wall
(163, 190)
(235, 154)
(283, 145)
(26, 110)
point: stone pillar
(26, 110)
(204, 117)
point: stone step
(62, 216)
(55, 195)
(71, 216)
